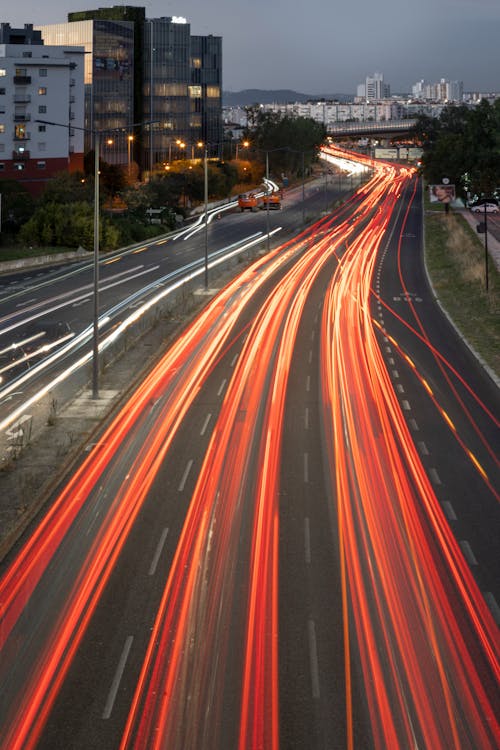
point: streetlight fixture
(244, 144)
(205, 192)
(95, 325)
(130, 138)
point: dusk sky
(326, 47)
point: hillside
(262, 96)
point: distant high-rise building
(441, 91)
(374, 87)
(39, 82)
(156, 87)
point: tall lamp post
(130, 138)
(95, 325)
(205, 168)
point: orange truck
(248, 201)
(274, 200)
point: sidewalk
(493, 244)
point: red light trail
(412, 611)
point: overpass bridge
(371, 128)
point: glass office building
(109, 79)
(156, 87)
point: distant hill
(282, 96)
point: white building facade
(39, 82)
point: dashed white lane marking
(307, 541)
(205, 424)
(468, 553)
(413, 424)
(406, 405)
(313, 658)
(434, 476)
(158, 551)
(185, 475)
(306, 467)
(308, 383)
(492, 604)
(108, 708)
(423, 448)
(391, 361)
(449, 511)
(310, 356)
(395, 373)
(306, 418)
(222, 386)
(234, 360)
(400, 388)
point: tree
(67, 187)
(464, 145)
(17, 206)
(292, 141)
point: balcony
(21, 138)
(20, 155)
(22, 80)
(22, 98)
(24, 117)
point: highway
(46, 315)
(286, 538)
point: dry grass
(456, 263)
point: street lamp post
(95, 328)
(130, 138)
(205, 166)
(267, 201)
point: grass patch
(454, 256)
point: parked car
(480, 208)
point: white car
(491, 208)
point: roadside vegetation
(61, 218)
(463, 145)
(455, 260)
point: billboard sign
(442, 193)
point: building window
(2, 127)
(3, 72)
(40, 165)
(19, 166)
(2, 146)
(194, 92)
(43, 72)
(42, 91)
(196, 62)
(20, 132)
(27, 54)
(42, 109)
(42, 128)
(2, 92)
(20, 72)
(2, 166)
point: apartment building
(39, 82)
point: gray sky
(327, 46)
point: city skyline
(329, 50)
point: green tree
(67, 187)
(290, 142)
(463, 144)
(70, 225)
(17, 206)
